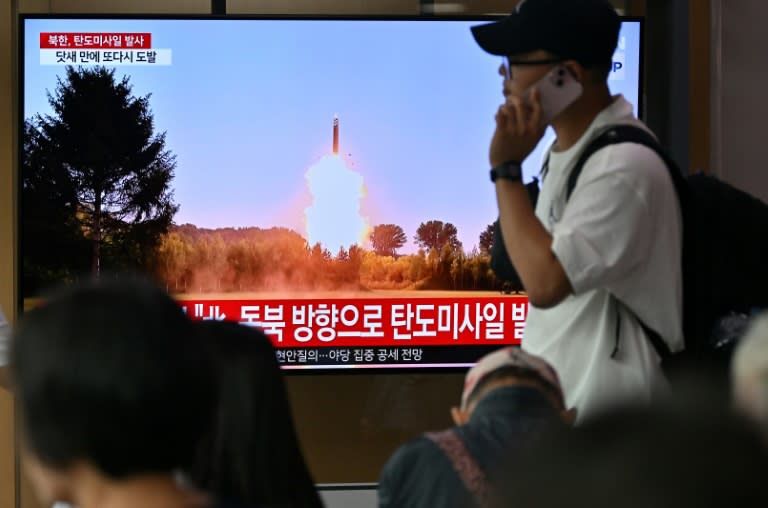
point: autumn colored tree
(486, 239)
(387, 238)
(434, 235)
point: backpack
(500, 263)
(724, 258)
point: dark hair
(513, 372)
(599, 72)
(252, 453)
(110, 371)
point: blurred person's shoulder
(409, 455)
(419, 474)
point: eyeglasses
(507, 64)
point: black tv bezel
(23, 17)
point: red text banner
(95, 40)
(375, 321)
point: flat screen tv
(324, 179)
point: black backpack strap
(661, 347)
(630, 134)
(623, 134)
(545, 166)
(653, 337)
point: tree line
(192, 259)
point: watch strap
(510, 170)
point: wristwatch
(510, 170)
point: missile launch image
(335, 134)
(334, 218)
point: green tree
(387, 238)
(210, 261)
(53, 247)
(174, 258)
(244, 263)
(486, 239)
(418, 266)
(102, 140)
(457, 270)
(434, 235)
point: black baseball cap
(583, 30)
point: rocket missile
(336, 134)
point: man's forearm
(529, 245)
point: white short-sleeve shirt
(618, 234)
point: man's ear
(577, 70)
(459, 416)
(568, 415)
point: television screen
(323, 179)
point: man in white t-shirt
(5, 334)
(619, 237)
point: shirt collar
(619, 110)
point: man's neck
(147, 491)
(571, 125)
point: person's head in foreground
(512, 368)
(251, 452)
(113, 392)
